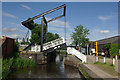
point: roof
(110, 40)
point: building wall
(8, 47)
(100, 43)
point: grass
(107, 68)
(85, 63)
(97, 62)
(84, 73)
(101, 57)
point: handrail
(78, 54)
(53, 43)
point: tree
(56, 36)
(27, 42)
(80, 35)
(36, 32)
(16, 45)
(23, 41)
(114, 49)
(106, 48)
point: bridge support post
(42, 34)
(87, 49)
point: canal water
(55, 69)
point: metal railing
(53, 43)
(77, 54)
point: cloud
(104, 18)
(104, 31)
(26, 7)
(15, 24)
(15, 36)
(97, 34)
(58, 23)
(9, 15)
(6, 29)
(55, 29)
(101, 31)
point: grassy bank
(107, 68)
(84, 73)
(13, 63)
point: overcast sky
(100, 18)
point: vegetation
(36, 32)
(79, 37)
(101, 57)
(105, 48)
(96, 62)
(84, 73)
(10, 64)
(114, 49)
(25, 42)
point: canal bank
(71, 60)
(89, 71)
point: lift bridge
(48, 46)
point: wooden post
(42, 34)
(96, 49)
(87, 49)
(96, 52)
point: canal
(54, 69)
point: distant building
(100, 43)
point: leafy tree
(56, 36)
(114, 49)
(50, 37)
(27, 42)
(16, 45)
(106, 48)
(80, 35)
(23, 41)
(36, 32)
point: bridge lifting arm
(28, 24)
(43, 21)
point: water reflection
(52, 70)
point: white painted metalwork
(22, 46)
(78, 54)
(35, 48)
(113, 61)
(52, 44)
